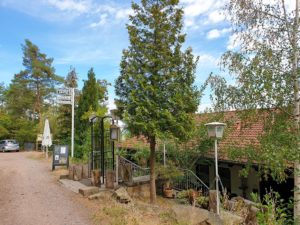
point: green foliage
(39, 75)
(141, 155)
(183, 194)
(169, 172)
(202, 201)
(265, 72)
(5, 122)
(19, 97)
(155, 87)
(91, 101)
(25, 130)
(65, 111)
(29, 95)
(272, 210)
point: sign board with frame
(64, 91)
(60, 156)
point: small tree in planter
(168, 173)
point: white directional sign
(64, 102)
(64, 91)
(64, 98)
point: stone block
(87, 191)
(141, 190)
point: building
(242, 132)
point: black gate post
(92, 145)
(102, 148)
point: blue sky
(92, 33)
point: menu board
(60, 156)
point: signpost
(60, 156)
(66, 97)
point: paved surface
(30, 195)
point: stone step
(87, 191)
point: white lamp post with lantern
(215, 130)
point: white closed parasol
(47, 141)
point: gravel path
(30, 195)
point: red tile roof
(239, 133)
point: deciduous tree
(266, 67)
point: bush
(272, 209)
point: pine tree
(155, 88)
(39, 75)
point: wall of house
(238, 186)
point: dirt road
(30, 194)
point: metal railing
(136, 170)
(189, 180)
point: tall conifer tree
(94, 94)
(155, 88)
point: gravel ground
(31, 195)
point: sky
(92, 33)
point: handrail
(190, 179)
(136, 170)
(132, 163)
(195, 176)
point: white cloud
(81, 56)
(233, 41)
(194, 8)
(202, 12)
(207, 60)
(123, 13)
(102, 21)
(216, 16)
(216, 33)
(80, 6)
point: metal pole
(113, 148)
(92, 145)
(102, 148)
(164, 154)
(72, 138)
(217, 176)
(117, 169)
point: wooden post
(213, 201)
(71, 172)
(110, 179)
(96, 178)
(77, 172)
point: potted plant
(168, 174)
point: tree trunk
(152, 171)
(296, 113)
